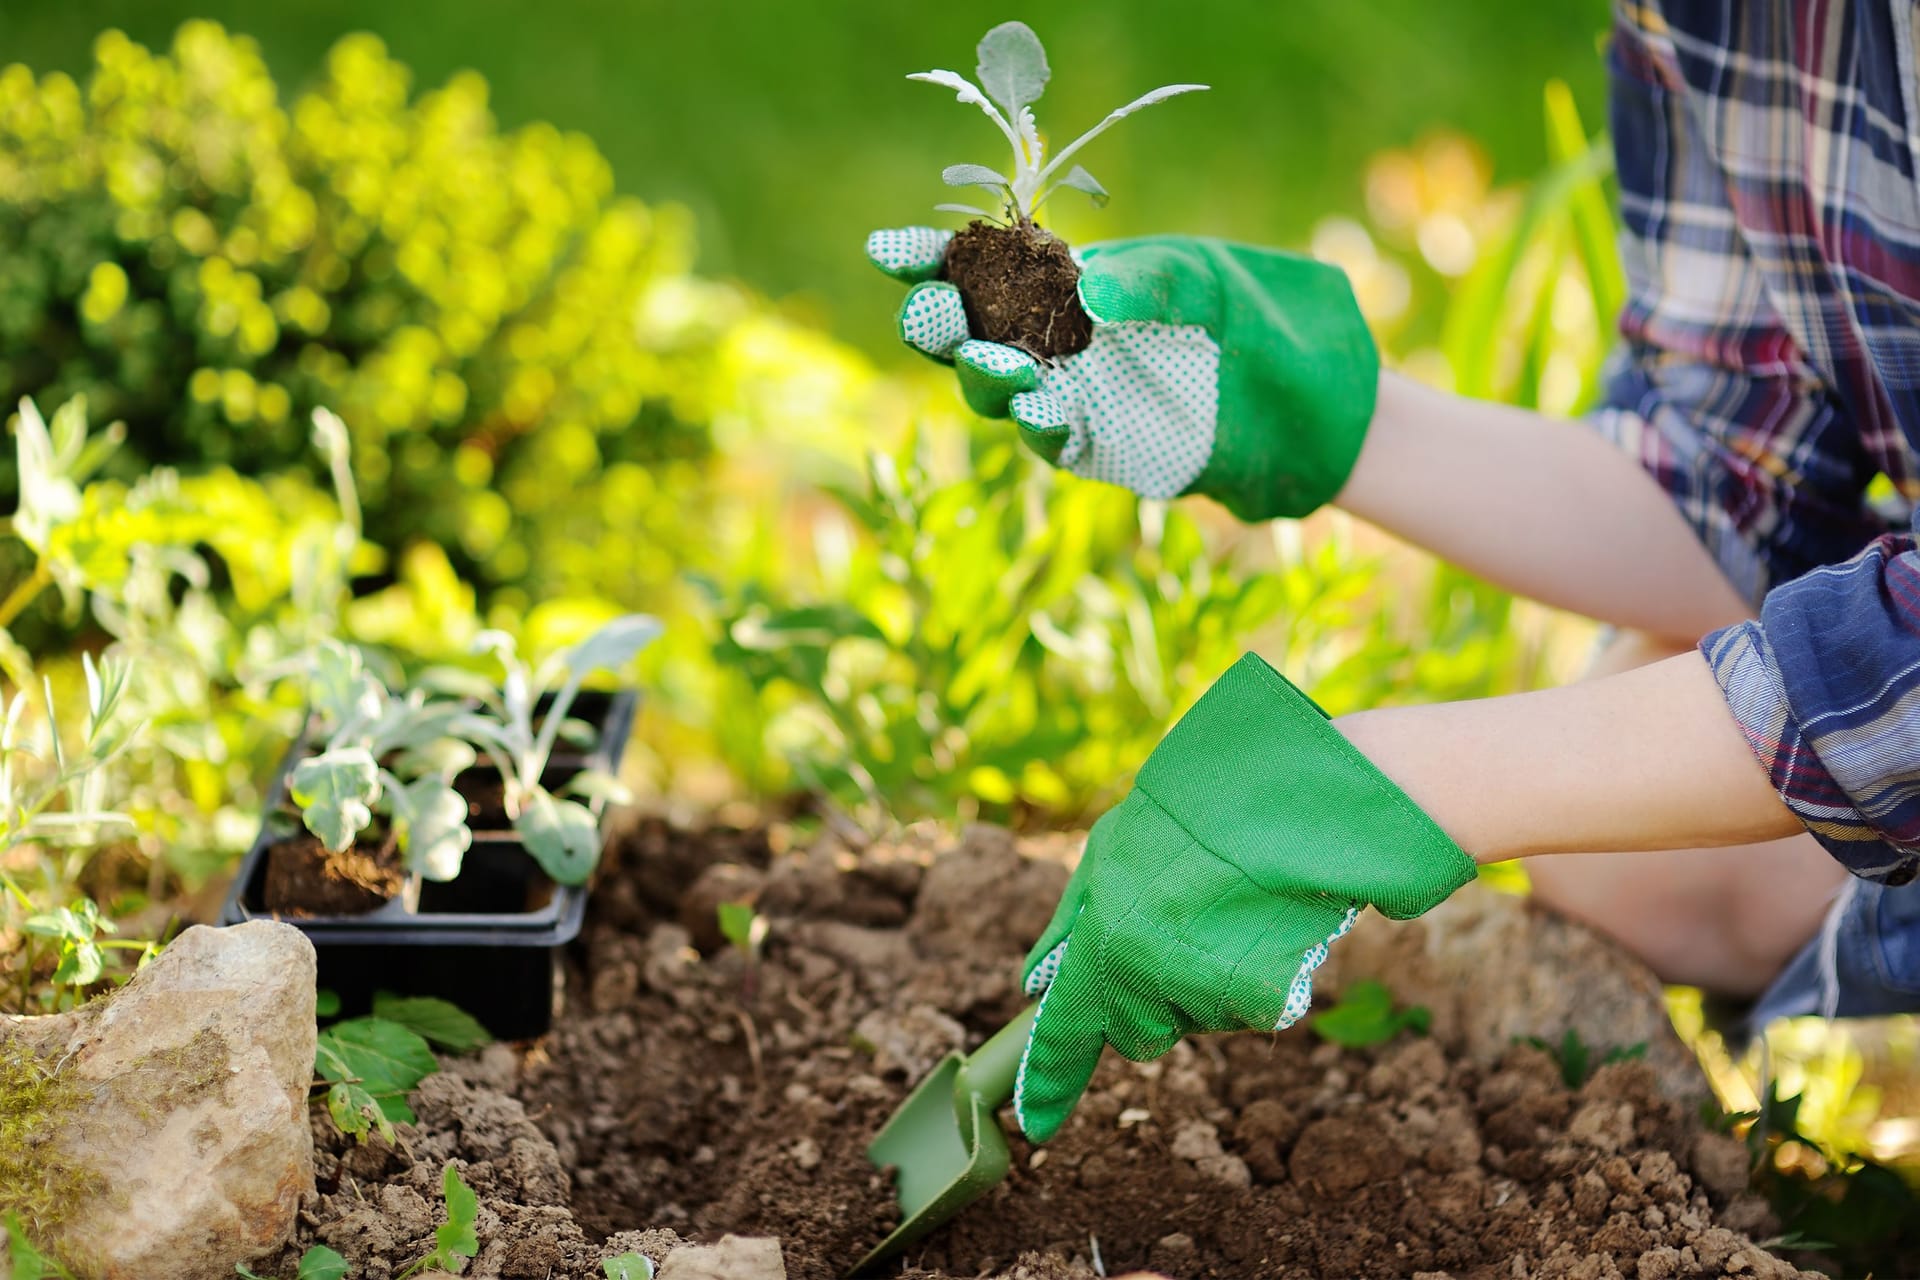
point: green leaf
(613, 646)
(1013, 66)
(356, 1112)
(741, 925)
(28, 1263)
(385, 1058)
(433, 833)
(1080, 180)
(326, 1003)
(1365, 1016)
(440, 1021)
(562, 836)
(628, 1266)
(974, 175)
(322, 1263)
(457, 1239)
(335, 791)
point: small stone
(1133, 1116)
(1195, 1141)
(195, 1131)
(1227, 1170)
(1721, 1163)
(1659, 1264)
(806, 1154)
(910, 1042)
(1172, 1252)
(734, 1258)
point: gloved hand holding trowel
(1711, 793)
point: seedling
(1365, 1015)
(371, 1064)
(562, 834)
(1575, 1056)
(1017, 280)
(628, 1266)
(341, 786)
(317, 1263)
(28, 1263)
(456, 1240)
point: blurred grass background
(790, 130)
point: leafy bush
(210, 264)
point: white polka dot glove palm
(1205, 900)
(1244, 374)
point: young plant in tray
(1017, 280)
(520, 734)
(382, 753)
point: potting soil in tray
(683, 1096)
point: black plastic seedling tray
(488, 940)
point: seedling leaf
(628, 1266)
(322, 1263)
(357, 1113)
(326, 1003)
(431, 822)
(1013, 66)
(1080, 180)
(457, 1239)
(335, 791)
(1365, 1016)
(440, 1021)
(974, 175)
(741, 925)
(613, 646)
(562, 836)
(384, 1058)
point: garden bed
(687, 1096)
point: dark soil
(304, 879)
(687, 1097)
(1018, 287)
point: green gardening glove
(1243, 374)
(1252, 838)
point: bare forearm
(1647, 759)
(1544, 508)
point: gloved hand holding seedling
(1166, 365)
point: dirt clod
(1018, 285)
(682, 1099)
(304, 878)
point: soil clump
(685, 1097)
(305, 879)
(1018, 286)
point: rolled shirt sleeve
(1826, 688)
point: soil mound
(692, 1096)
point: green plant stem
(25, 592)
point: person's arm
(1546, 509)
(1648, 759)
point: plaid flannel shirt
(1771, 371)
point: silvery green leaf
(443, 757)
(562, 836)
(973, 175)
(434, 836)
(613, 646)
(1080, 180)
(455, 682)
(1114, 117)
(1013, 66)
(335, 791)
(598, 784)
(973, 210)
(961, 86)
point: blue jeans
(1864, 961)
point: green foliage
(317, 1263)
(372, 1064)
(742, 926)
(562, 835)
(212, 263)
(1575, 1056)
(456, 1239)
(628, 1266)
(442, 1023)
(1365, 1015)
(1863, 1216)
(27, 1262)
